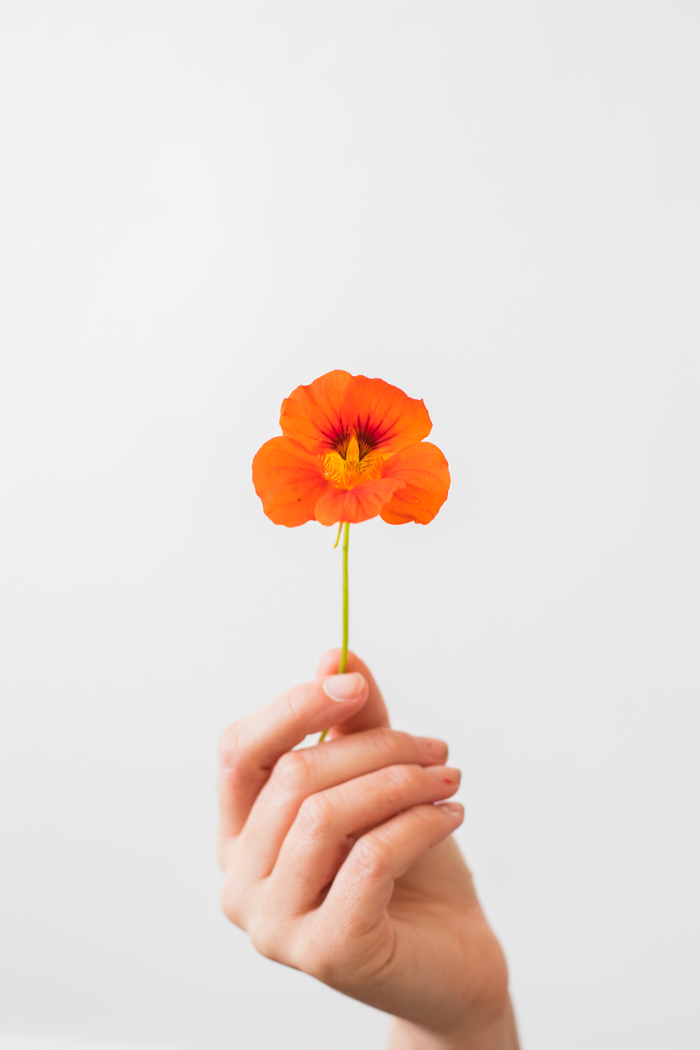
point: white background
(493, 206)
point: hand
(339, 862)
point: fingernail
(436, 749)
(344, 686)
(455, 809)
(443, 774)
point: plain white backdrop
(493, 206)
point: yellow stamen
(346, 471)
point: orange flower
(352, 448)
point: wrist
(500, 1034)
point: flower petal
(426, 477)
(357, 504)
(289, 481)
(311, 414)
(382, 416)
(324, 414)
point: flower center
(346, 469)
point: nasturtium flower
(352, 448)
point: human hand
(339, 862)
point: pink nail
(343, 687)
(455, 809)
(435, 749)
(443, 774)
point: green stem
(346, 610)
(346, 601)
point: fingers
(321, 835)
(250, 748)
(299, 774)
(373, 712)
(363, 887)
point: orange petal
(389, 419)
(357, 504)
(311, 414)
(426, 477)
(289, 481)
(322, 415)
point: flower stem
(346, 601)
(346, 609)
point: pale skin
(339, 861)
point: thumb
(374, 713)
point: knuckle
(315, 815)
(251, 912)
(372, 857)
(292, 772)
(263, 939)
(273, 935)
(388, 743)
(328, 963)
(398, 780)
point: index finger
(249, 749)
